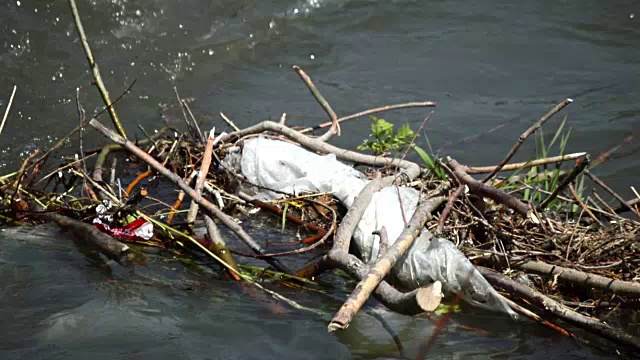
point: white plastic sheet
(286, 167)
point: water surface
(493, 67)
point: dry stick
(403, 303)
(94, 68)
(219, 247)
(557, 309)
(632, 203)
(208, 207)
(484, 190)
(376, 274)
(86, 232)
(582, 205)
(350, 221)
(525, 135)
(335, 126)
(228, 121)
(579, 168)
(195, 122)
(202, 176)
(528, 313)
(6, 111)
(447, 209)
(607, 154)
(471, 170)
(612, 193)
(613, 212)
(370, 112)
(410, 169)
(384, 241)
(193, 129)
(583, 279)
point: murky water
(489, 65)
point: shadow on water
(488, 64)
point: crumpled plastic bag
(286, 167)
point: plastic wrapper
(286, 167)
(137, 229)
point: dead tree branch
(525, 135)
(485, 190)
(377, 272)
(207, 206)
(335, 126)
(557, 309)
(95, 70)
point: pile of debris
(417, 231)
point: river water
(493, 67)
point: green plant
(541, 180)
(384, 140)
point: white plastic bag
(286, 167)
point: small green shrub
(383, 140)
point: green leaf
(381, 128)
(284, 217)
(405, 133)
(424, 156)
(445, 309)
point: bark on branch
(111, 247)
(582, 279)
(484, 190)
(410, 303)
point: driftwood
(368, 112)
(557, 309)
(384, 241)
(484, 190)
(111, 247)
(356, 211)
(377, 272)
(95, 70)
(410, 303)
(335, 126)
(471, 170)
(581, 278)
